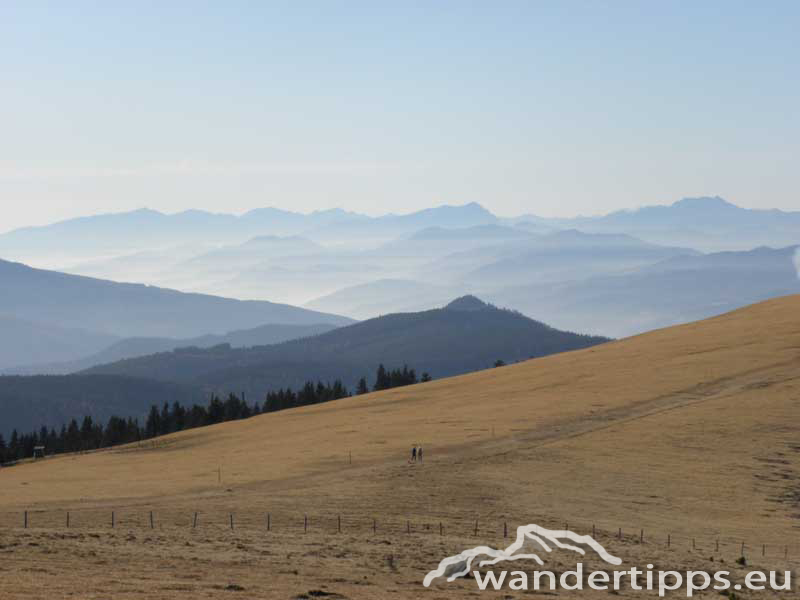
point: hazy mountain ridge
(130, 310)
(133, 347)
(23, 341)
(672, 291)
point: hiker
(414, 454)
(419, 454)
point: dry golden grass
(690, 431)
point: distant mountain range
(596, 274)
(706, 223)
(122, 233)
(464, 336)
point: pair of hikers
(416, 454)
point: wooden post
(305, 523)
(339, 524)
(441, 529)
(67, 519)
(194, 521)
(374, 526)
(408, 526)
(112, 519)
(763, 549)
(269, 522)
(505, 529)
(669, 540)
(785, 552)
(219, 474)
(593, 530)
(717, 546)
(26, 519)
(476, 526)
(566, 526)
(231, 521)
(152, 525)
(742, 548)
(351, 457)
(619, 534)
(694, 547)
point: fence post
(67, 519)
(742, 548)
(269, 522)
(694, 547)
(441, 529)
(408, 526)
(593, 530)
(641, 536)
(194, 521)
(476, 527)
(339, 524)
(717, 546)
(112, 519)
(669, 540)
(505, 529)
(231, 521)
(305, 523)
(152, 526)
(763, 549)
(26, 519)
(785, 552)
(374, 526)
(619, 534)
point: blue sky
(555, 108)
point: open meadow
(688, 434)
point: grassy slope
(686, 428)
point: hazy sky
(556, 108)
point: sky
(552, 108)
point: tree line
(90, 435)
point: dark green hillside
(466, 335)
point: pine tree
(382, 381)
(72, 439)
(166, 420)
(362, 386)
(153, 424)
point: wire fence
(492, 530)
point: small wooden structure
(38, 452)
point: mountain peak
(467, 303)
(704, 202)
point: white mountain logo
(533, 536)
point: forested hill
(464, 336)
